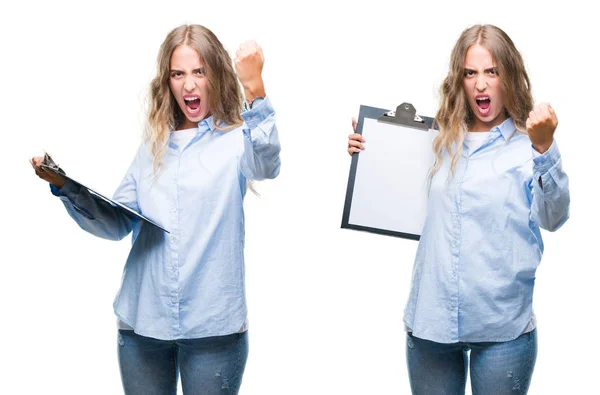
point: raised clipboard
(49, 165)
(388, 182)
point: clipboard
(388, 181)
(53, 167)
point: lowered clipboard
(388, 182)
(50, 165)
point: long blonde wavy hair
(224, 94)
(455, 117)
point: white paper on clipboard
(390, 186)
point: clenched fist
(541, 125)
(249, 60)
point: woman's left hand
(249, 60)
(541, 125)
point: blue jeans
(208, 366)
(496, 368)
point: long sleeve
(260, 159)
(550, 205)
(98, 216)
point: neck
(479, 126)
(187, 124)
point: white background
(325, 304)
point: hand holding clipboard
(48, 170)
(55, 177)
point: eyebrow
(487, 69)
(194, 70)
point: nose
(188, 85)
(480, 83)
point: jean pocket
(409, 340)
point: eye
(199, 71)
(176, 74)
(493, 71)
(469, 73)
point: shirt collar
(506, 128)
(206, 125)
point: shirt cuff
(256, 101)
(68, 187)
(544, 162)
(54, 189)
(258, 113)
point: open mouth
(483, 104)
(193, 104)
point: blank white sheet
(390, 187)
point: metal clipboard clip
(405, 115)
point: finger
(353, 150)
(539, 111)
(535, 110)
(250, 45)
(38, 160)
(354, 123)
(353, 143)
(357, 137)
(532, 117)
(545, 108)
(552, 114)
(542, 112)
(247, 47)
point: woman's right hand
(46, 175)
(248, 62)
(355, 140)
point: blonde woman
(497, 179)
(181, 307)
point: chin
(196, 118)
